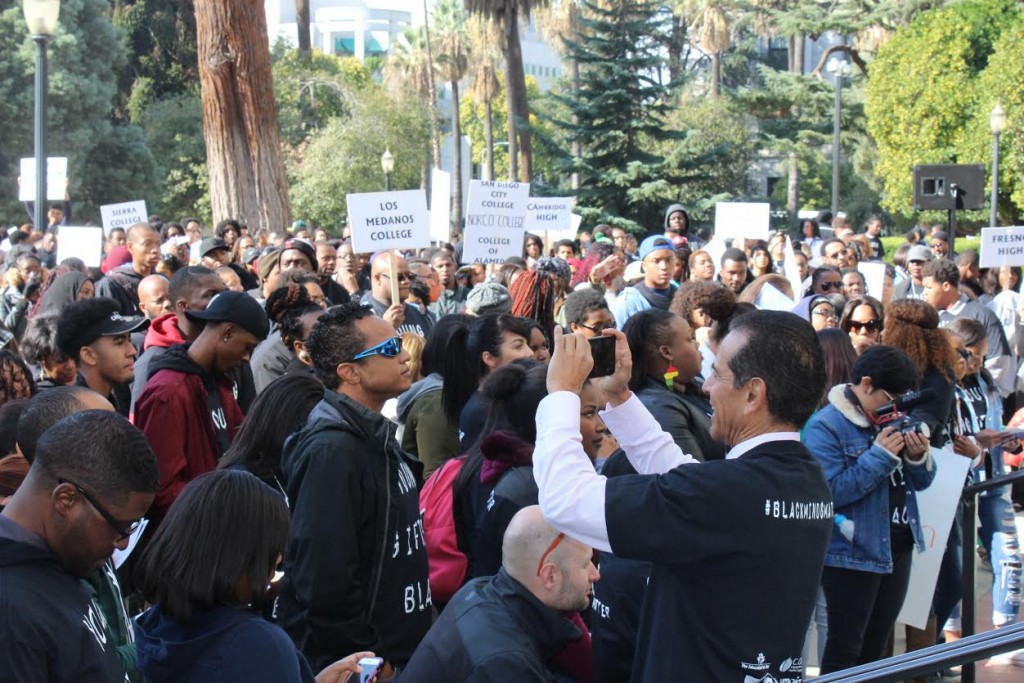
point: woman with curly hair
(691, 300)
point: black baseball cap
(212, 244)
(235, 307)
(110, 326)
(300, 245)
(251, 254)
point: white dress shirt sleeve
(649, 448)
(571, 494)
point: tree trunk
(675, 43)
(518, 105)
(796, 65)
(456, 213)
(302, 20)
(577, 148)
(488, 139)
(243, 141)
(435, 124)
(716, 74)
(513, 132)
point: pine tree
(619, 113)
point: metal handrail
(970, 537)
(963, 652)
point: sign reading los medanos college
(388, 220)
(495, 220)
(1002, 247)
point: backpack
(447, 563)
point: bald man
(153, 301)
(512, 626)
(122, 284)
(403, 317)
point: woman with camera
(873, 472)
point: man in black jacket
(510, 627)
(122, 284)
(355, 573)
(92, 480)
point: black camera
(894, 413)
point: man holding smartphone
(736, 545)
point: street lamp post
(387, 162)
(41, 17)
(997, 122)
(839, 69)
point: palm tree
(452, 63)
(302, 21)
(709, 21)
(508, 13)
(408, 70)
(485, 54)
(561, 21)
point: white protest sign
(440, 205)
(874, 277)
(83, 243)
(123, 215)
(715, 249)
(56, 179)
(792, 269)
(552, 215)
(1002, 247)
(495, 221)
(746, 220)
(771, 298)
(388, 220)
(936, 506)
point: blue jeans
(998, 534)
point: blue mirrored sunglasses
(388, 348)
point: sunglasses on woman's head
(389, 348)
(872, 325)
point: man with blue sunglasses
(355, 572)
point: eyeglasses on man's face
(123, 532)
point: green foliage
(174, 133)
(311, 93)
(129, 169)
(343, 157)
(925, 98)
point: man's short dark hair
(967, 257)
(76, 319)
(784, 351)
(201, 532)
(100, 451)
(833, 240)
(942, 270)
(889, 369)
(185, 280)
(580, 304)
(44, 411)
(736, 255)
(846, 271)
(336, 340)
(565, 243)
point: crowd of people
(236, 455)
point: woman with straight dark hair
(474, 349)
(279, 411)
(427, 431)
(666, 369)
(207, 574)
(839, 358)
(863, 320)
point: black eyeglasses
(402, 277)
(873, 325)
(597, 329)
(122, 532)
(831, 285)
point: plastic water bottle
(845, 527)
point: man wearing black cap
(327, 256)
(188, 410)
(296, 253)
(214, 253)
(122, 284)
(97, 336)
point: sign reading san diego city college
(388, 220)
(495, 220)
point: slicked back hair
(336, 340)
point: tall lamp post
(839, 70)
(997, 122)
(41, 17)
(387, 162)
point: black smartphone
(603, 351)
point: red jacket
(174, 413)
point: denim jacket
(858, 471)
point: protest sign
(771, 298)
(792, 270)
(440, 205)
(495, 221)
(56, 179)
(552, 215)
(874, 277)
(745, 220)
(936, 506)
(388, 220)
(1002, 247)
(123, 215)
(83, 243)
